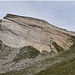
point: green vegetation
(26, 52)
(64, 68)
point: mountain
(30, 45)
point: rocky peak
(18, 31)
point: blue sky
(58, 13)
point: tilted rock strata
(21, 39)
(18, 31)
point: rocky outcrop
(29, 41)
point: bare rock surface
(18, 31)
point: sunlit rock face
(18, 31)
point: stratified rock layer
(18, 31)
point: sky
(58, 13)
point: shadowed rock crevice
(58, 48)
